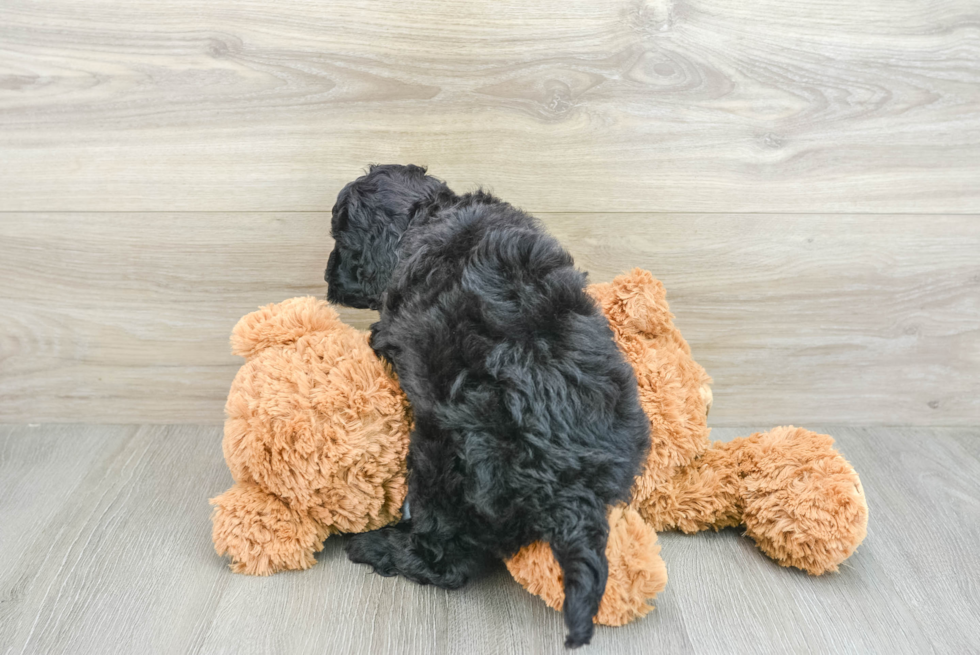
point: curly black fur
(527, 422)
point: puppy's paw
(370, 548)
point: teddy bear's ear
(635, 300)
(281, 323)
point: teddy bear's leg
(800, 501)
(261, 533)
(636, 571)
(704, 494)
(803, 502)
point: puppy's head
(369, 218)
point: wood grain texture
(107, 568)
(800, 319)
(570, 105)
(117, 558)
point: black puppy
(527, 422)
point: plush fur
(527, 420)
(317, 434)
(316, 437)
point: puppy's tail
(579, 545)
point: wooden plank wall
(804, 177)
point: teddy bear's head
(315, 419)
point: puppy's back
(508, 345)
(527, 417)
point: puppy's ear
(281, 323)
(413, 169)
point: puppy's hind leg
(578, 541)
(425, 556)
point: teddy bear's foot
(803, 502)
(262, 534)
(636, 571)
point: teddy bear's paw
(637, 574)
(261, 533)
(804, 503)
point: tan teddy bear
(317, 435)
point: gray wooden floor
(105, 547)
